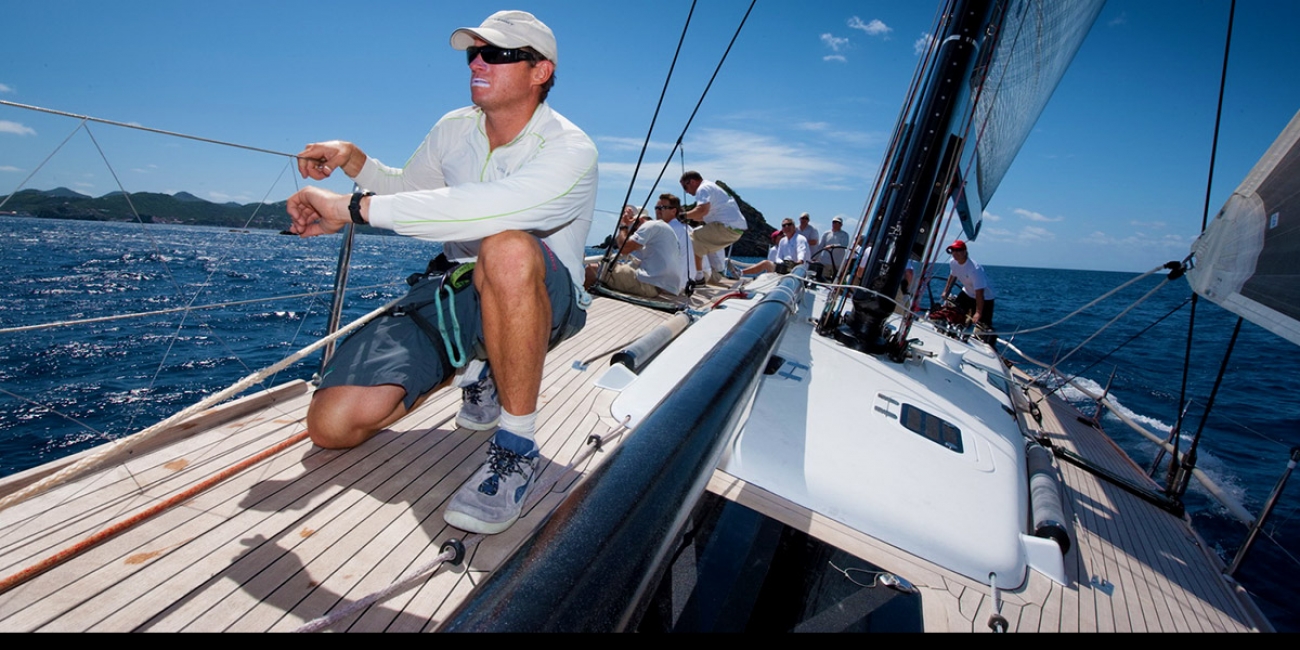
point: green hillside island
(186, 209)
(181, 208)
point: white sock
(524, 426)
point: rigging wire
(663, 92)
(1112, 321)
(1087, 306)
(1188, 462)
(126, 125)
(1205, 213)
(38, 168)
(54, 411)
(1117, 348)
(185, 311)
(676, 145)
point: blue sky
(1112, 178)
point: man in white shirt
(723, 221)
(660, 267)
(977, 291)
(790, 251)
(808, 231)
(834, 245)
(483, 184)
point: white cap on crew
(510, 30)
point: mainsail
(1248, 260)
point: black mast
(915, 193)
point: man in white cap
(522, 219)
(834, 245)
(808, 231)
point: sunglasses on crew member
(497, 55)
(661, 208)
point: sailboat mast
(916, 192)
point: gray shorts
(394, 349)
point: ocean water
(68, 388)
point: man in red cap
(506, 184)
(977, 293)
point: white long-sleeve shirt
(456, 189)
(792, 249)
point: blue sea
(68, 388)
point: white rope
(233, 303)
(117, 445)
(401, 584)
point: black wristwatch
(354, 206)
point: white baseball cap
(510, 30)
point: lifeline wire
(318, 624)
(215, 305)
(116, 446)
(87, 118)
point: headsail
(1248, 260)
(1040, 40)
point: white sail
(1248, 260)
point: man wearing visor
(508, 186)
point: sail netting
(1038, 40)
(1248, 260)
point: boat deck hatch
(931, 427)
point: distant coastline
(181, 209)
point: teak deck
(310, 531)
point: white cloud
(1148, 244)
(1035, 234)
(612, 143)
(1147, 224)
(873, 28)
(6, 88)
(922, 44)
(836, 43)
(1034, 216)
(835, 57)
(755, 161)
(9, 168)
(989, 216)
(15, 128)
(1121, 19)
(221, 197)
(1025, 236)
(84, 184)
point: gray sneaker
(479, 408)
(490, 501)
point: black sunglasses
(660, 208)
(497, 55)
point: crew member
(506, 183)
(977, 294)
(723, 222)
